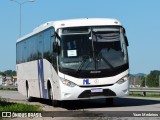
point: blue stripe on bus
(38, 64)
(41, 79)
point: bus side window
(46, 45)
(40, 46)
(53, 55)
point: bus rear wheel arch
(50, 93)
(29, 98)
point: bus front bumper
(78, 93)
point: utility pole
(20, 13)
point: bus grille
(87, 93)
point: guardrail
(145, 90)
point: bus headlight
(122, 80)
(67, 82)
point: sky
(141, 19)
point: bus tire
(109, 101)
(29, 98)
(54, 103)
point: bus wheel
(28, 94)
(55, 103)
(109, 101)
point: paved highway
(14, 95)
(120, 104)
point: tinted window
(36, 47)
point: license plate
(95, 90)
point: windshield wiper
(82, 63)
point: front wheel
(55, 103)
(109, 101)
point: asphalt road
(14, 95)
(120, 104)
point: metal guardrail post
(145, 90)
(144, 93)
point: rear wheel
(28, 94)
(55, 103)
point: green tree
(8, 73)
(153, 78)
(142, 82)
(2, 73)
(14, 73)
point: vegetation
(10, 88)
(8, 73)
(18, 107)
(142, 82)
(152, 79)
(147, 95)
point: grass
(17, 107)
(8, 88)
(152, 95)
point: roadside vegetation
(152, 95)
(151, 80)
(8, 73)
(11, 88)
(17, 107)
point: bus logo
(86, 82)
(6, 114)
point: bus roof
(72, 23)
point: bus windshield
(92, 51)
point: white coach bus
(73, 60)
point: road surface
(131, 104)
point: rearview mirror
(57, 36)
(126, 41)
(55, 47)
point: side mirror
(57, 36)
(126, 41)
(124, 31)
(55, 44)
(55, 47)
